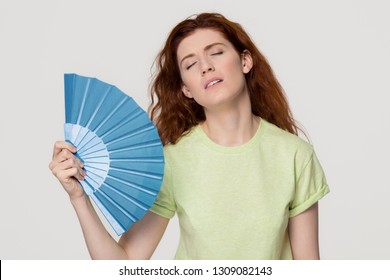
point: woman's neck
(231, 126)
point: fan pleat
(92, 148)
(139, 159)
(115, 200)
(88, 188)
(126, 196)
(69, 97)
(95, 150)
(127, 203)
(97, 108)
(132, 192)
(95, 170)
(75, 130)
(132, 186)
(138, 173)
(78, 93)
(88, 140)
(123, 218)
(107, 118)
(93, 179)
(129, 126)
(141, 130)
(149, 185)
(85, 136)
(109, 217)
(127, 119)
(120, 116)
(148, 144)
(103, 158)
(83, 101)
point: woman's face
(212, 71)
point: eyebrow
(205, 49)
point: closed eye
(189, 66)
(217, 53)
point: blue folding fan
(119, 146)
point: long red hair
(174, 114)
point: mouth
(212, 83)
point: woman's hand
(139, 242)
(67, 168)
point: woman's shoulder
(279, 139)
(186, 141)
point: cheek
(233, 65)
(188, 80)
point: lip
(211, 80)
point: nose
(207, 67)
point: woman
(243, 184)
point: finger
(70, 163)
(61, 145)
(65, 154)
(64, 175)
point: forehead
(200, 39)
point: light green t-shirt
(235, 202)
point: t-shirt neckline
(198, 131)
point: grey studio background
(332, 58)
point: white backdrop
(332, 58)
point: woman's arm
(139, 242)
(303, 231)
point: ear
(186, 91)
(247, 61)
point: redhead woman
(243, 184)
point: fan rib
(78, 129)
(119, 125)
(88, 188)
(140, 130)
(89, 177)
(95, 157)
(125, 196)
(96, 174)
(148, 144)
(95, 168)
(82, 139)
(98, 162)
(90, 140)
(110, 114)
(120, 208)
(140, 159)
(143, 189)
(138, 173)
(83, 102)
(118, 228)
(69, 82)
(95, 151)
(93, 146)
(99, 105)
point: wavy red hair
(174, 114)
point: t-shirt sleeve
(165, 205)
(310, 184)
